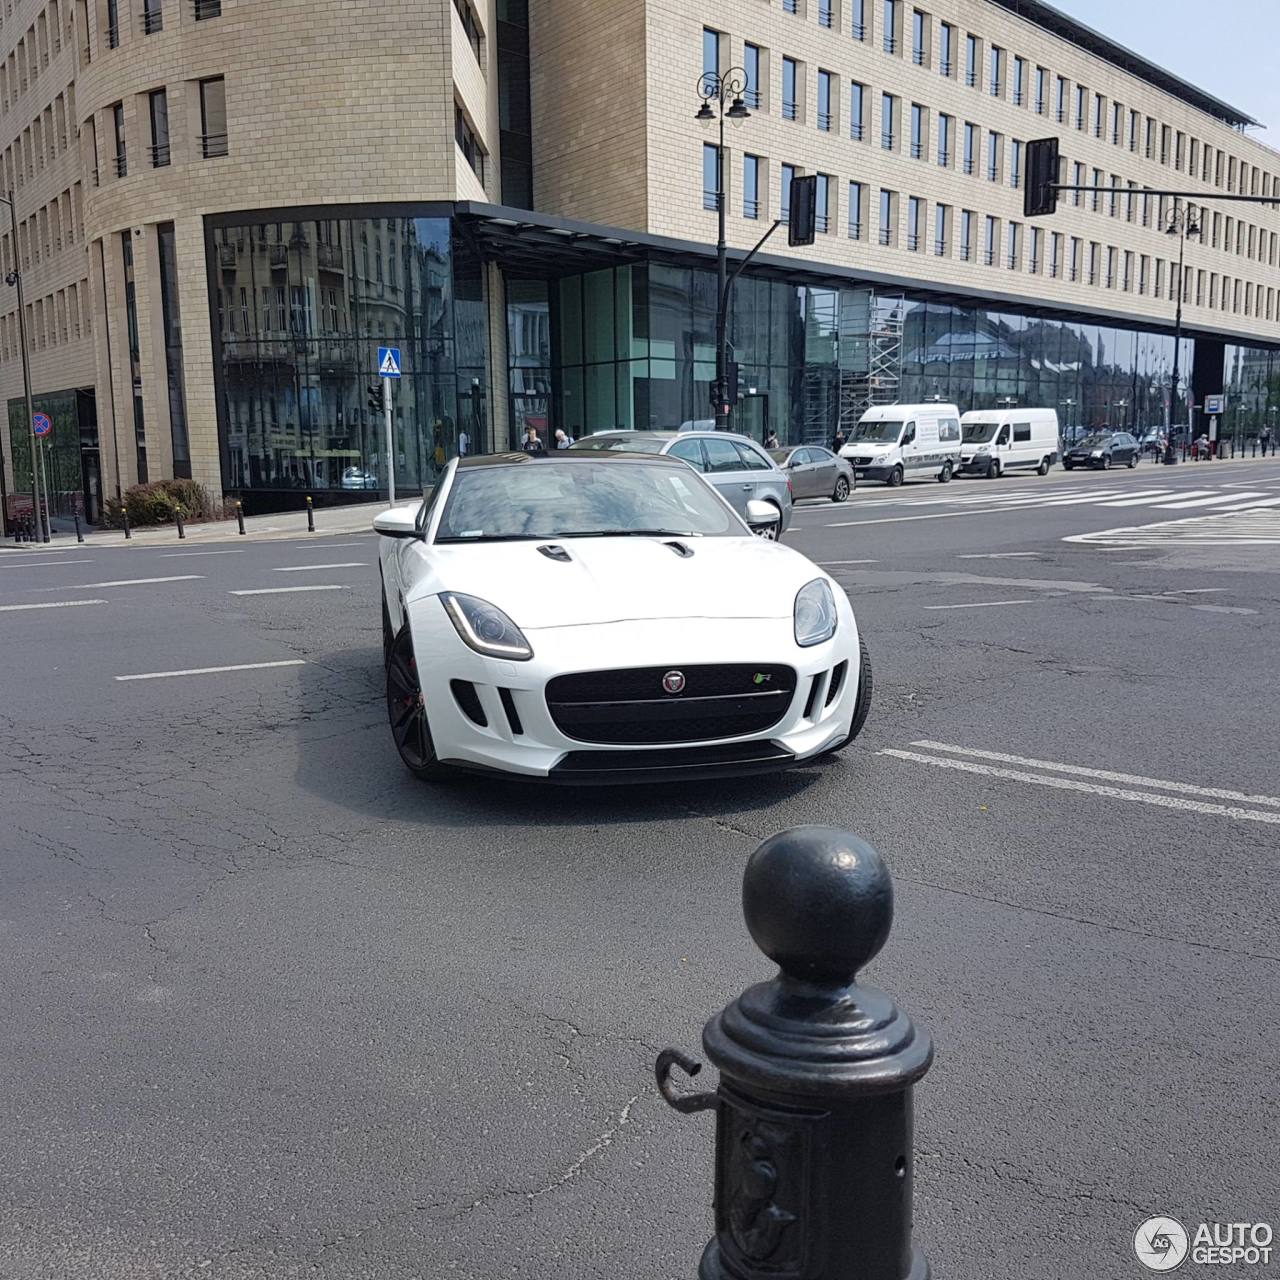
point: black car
(1105, 449)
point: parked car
(1105, 449)
(816, 472)
(892, 442)
(599, 616)
(359, 478)
(1000, 440)
(738, 468)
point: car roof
(668, 434)
(563, 455)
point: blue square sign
(388, 362)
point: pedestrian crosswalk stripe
(1254, 526)
(1216, 500)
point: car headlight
(485, 628)
(1097, 453)
(983, 448)
(815, 613)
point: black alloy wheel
(407, 711)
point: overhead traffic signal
(802, 218)
(375, 396)
(1040, 195)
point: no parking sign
(42, 425)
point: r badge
(673, 682)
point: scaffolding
(870, 332)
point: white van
(1000, 440)
(897, 442)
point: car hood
(623, 579)
(868, 446)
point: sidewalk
(272, 528)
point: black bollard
(813, 1110)
(124, 517)
(311, 516)
(240, 517)
(79, 530)
(177, 519)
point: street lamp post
(722, 88)
(1184, 226)
(15, 278)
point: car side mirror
(760, 515)
(398, 522)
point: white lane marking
(173, 555)
(1215, 501)
(1141, 499)
(133, 582)
(1103, 775)
(311, 568)
(984, 604)
(831, 563)
(999, 555)
(27, 564)
(53, 604)
(282, 591)
(1070, 784)
(323, 546)
(209, 671)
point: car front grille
(862, 462)
(632, 705)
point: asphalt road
(271, 1008)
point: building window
(1015, 245)
(919, 38)
(971, 61)
(857, 109)
(822, 203)
(171, 322)
(858, 14)
(213, 117)
(888, 211)
(1099, 111)
(790, 6)
(784, 205)
(1015, 163)
(1126, 280)
(996, 79)
(1149, 146)
(1082, 107)
(1097, 195)
(1019, 82)
(1037, 237)
(941, 217)
(790, 110)
(711, 52)
(826, 17)
(990, 241)
(1042, 91)
(750, 186)
(917, 131)
(995, 145)
(121, 156)
(886, 121)
(135, 353)
(710, 175)
(966, 235)
(1094, 252)
(1077, 180)
(1060, 100)
(891, 26)
(152, 17)
(207, 9)
(914, 228)
(825, 81)
(751, 64)
(158, 103)
(1076, 246)
(1055, 254)
(1133, 131)
(970, 147)
(856, 196)
(1117, 124)
(113, 25)
(1111, 267)
(947, 49)
(945, 131)
(470, 25)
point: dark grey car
(735, 465)
(815, 472)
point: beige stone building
(226, 207)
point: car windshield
(581, 499)
(879, 431)
(780, 455)
(979, 432)
(1095, 441)
(622, 444)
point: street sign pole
(391, 457)
(42, 522)
(42, 447)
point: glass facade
(69, 454)
(302, 307)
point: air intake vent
(837, 681)
(680, 549)
(464, 694)
(555, 552)
(513, 716)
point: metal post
(43, 449)
(240, 517)
(79, 531)
(15, 275)
(177, 519)
(722, 286)
(391, 457)
(124, 516)
(814, 1145)
(311, 516)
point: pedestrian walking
(1264, 439)
(532, 445)
(464, 443)
(562, 441)
(771, 439)
(838, 443)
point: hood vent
(553, 551)
(683, 551)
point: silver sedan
(815, 472)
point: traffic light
(375, 396)
(1040, 195)
(802, 221)
(731, 383)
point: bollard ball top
(818, 902)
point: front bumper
(975, 464)
(520, 737)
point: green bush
(155, 503)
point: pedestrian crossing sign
(388, 362)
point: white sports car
(606, 617)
